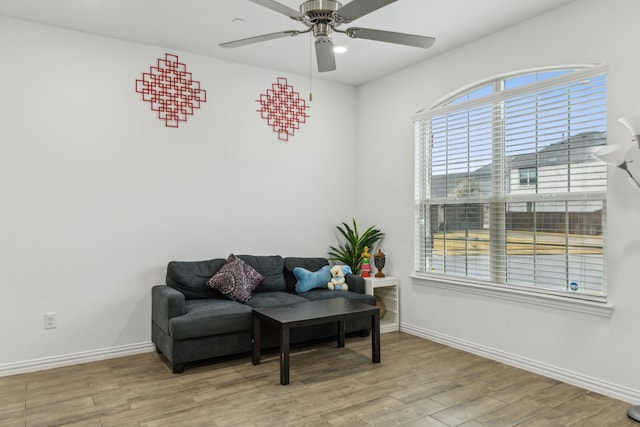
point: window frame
(597, 306)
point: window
(508, 191)
(528, 176)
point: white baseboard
(74, 358)
(594, 384)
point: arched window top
(504, 82)
(507, 189)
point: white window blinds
(508, 190)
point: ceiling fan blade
(391, 37)
(325, 56)
(358, 8)
(262, 38)
(280, 8)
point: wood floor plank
(418, 383)
(467, 411)
(427, 422)
(519, 387)
(514, 413)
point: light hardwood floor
(418, 383)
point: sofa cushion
(307, 280)
(270, 299)
(190, 277)
(271, 267)
(236, 279)
(210, 317)
(311, 264)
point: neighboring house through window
(508, 191)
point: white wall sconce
(633, 124)
(615, 154)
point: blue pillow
(308, 280)
(346, 269)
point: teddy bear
(337, 281)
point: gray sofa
(192, 322)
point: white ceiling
(198, 26)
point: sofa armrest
(166, 302)
(355, 283)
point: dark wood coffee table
(313, 313)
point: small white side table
(388, 290)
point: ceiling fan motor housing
(320, 11)
(321, 16)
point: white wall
(596, 352)
(97, 195)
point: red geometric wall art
(283, 109)
(171, 91)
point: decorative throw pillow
(346, 269)
(307, 280)
(236, 279)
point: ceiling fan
(323, 17)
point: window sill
(545, 300)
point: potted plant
(350, 253)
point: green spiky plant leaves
(350, 253)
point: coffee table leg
(284, 355)
(256, 340)
(375, 337)
(341, 332)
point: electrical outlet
(50, 320)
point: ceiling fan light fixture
(340, 49)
